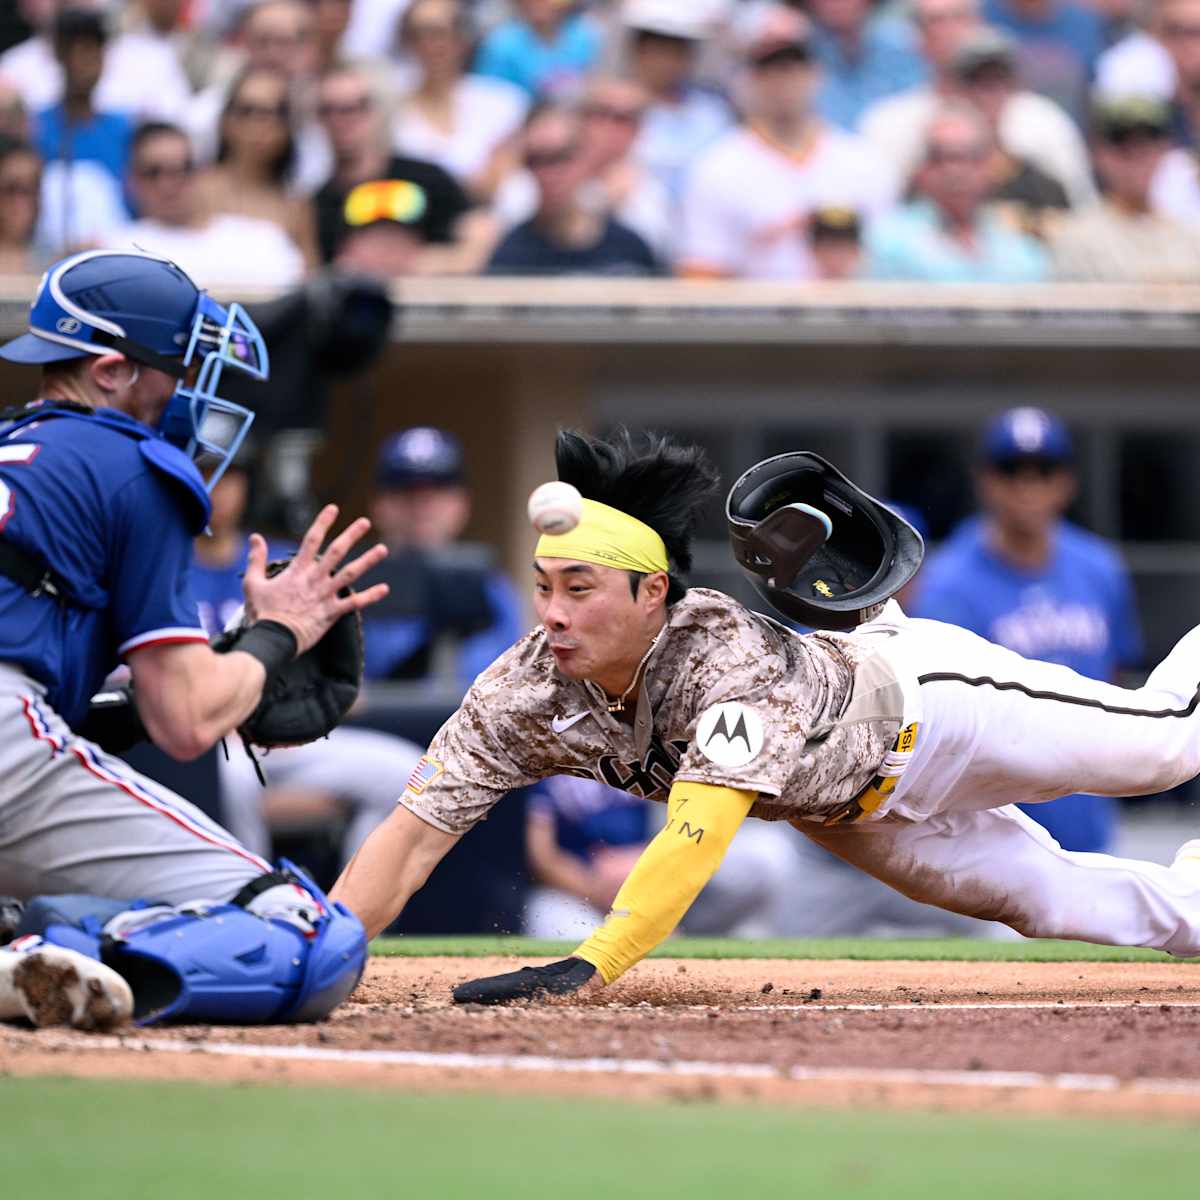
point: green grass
(944, 950)
(136, 1141)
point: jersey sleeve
(469, 766)
(149, 564)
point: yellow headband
(609, 538)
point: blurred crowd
(254, 141)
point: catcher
(900, 745)
(136, 902)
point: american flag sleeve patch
(424, 773)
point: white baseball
(555, 508)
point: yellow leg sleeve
(672, 871)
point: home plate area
(1065, 1037)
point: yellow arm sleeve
(670, 874)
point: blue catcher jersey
(112, 510)
(1078, 611)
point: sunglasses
(153, 171)
(350, 108)
(605, 112)
(539, 159)
(1139, 135)
(269, 112)
(939, 156)
(1041, 468)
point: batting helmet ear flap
(815, 546)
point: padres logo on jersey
(649, 777)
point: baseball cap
(421, 455)
(1027, 433)
(985, 47)
(668, 18)
(1115, 118)
(773, 33)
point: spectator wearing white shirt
(612, 111)
(1031, 127)
(257, 149)
(465, 123)
(142, 75)
(749, 197)
(218, 250)
(280, 36)
(663, 43)
(1122, 239)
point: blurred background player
(447, 599)
(583, 837)
(333, 790)
(1024, 577)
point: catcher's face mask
(148, 308)
(815, 546)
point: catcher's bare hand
(304, 596)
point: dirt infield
(1119, 1038)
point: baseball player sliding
(900, 745)
(99, 502)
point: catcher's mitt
(310, 696)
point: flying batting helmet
(815, 546)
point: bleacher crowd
(940, 140)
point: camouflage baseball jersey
(728, 697)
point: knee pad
(221, 964)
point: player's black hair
(661, 482)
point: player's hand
(562, 978)
(304, 596)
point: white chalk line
(990, 1006)
(533, 1063)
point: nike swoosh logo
(562, 724)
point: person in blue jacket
(1021, 575)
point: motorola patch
(730, 735)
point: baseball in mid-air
(555, 508)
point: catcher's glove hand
(555, 979)
(308, 697)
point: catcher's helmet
(815, 546)
(148, 309)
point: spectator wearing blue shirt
(864, 58)
(947, 234)
(547, 49)
(444, 593)
(1023, 577)
(1059, 44)
(72, 129)
(85, 151)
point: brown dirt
(1139, 1027)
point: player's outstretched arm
(391, 865)
(662, 886)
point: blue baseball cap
(1021, 433)
(422, 455)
